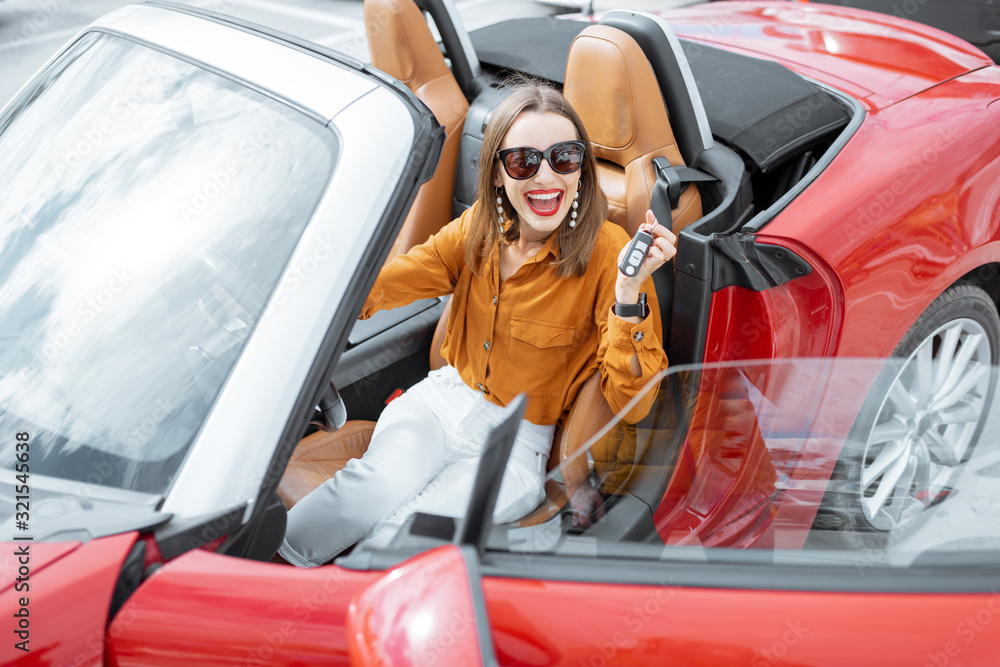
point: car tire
(919, 424)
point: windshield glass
(149, 209)
(860, 461)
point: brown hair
(575, 244)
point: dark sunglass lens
(522, 163)
(566, 158)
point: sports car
(195, 207)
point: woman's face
(544, 200)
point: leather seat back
(401, 45)
(613, 87)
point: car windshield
(150, 207)
(857, 462)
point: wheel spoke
(960, 364)
(946, 354)
(889, 455)
(940, 450)
(963, 413)
(898, 475)
(891, 430)
(902, 400)
(945, 399)
(924, 382)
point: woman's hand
(663, 248)
(586, 506)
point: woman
(532, 267)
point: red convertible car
(195, 207)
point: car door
(194, 209)
(611, 589)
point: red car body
(922, 168)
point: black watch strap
(640, 310)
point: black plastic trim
(182, 535)
(744, 570)
(743, 262)
(729, 203)
(475, 528)
(410, 336)
(260, 539)
(385, 320)
(129, 578)
(483, 629)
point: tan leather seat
(613, 87)
(401, 45)
(321, 454)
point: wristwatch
(640, 310)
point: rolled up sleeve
(620, 342)
(427, 270)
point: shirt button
(638, 336)
(486, 345)
(494, 299)
(481, 387)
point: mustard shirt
(534, 332)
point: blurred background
(32, 30)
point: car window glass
(800, 461)
(150, 207)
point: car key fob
(636, 253)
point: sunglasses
(523, 162)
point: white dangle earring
(576, 205)
(500, 209)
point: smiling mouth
(544, 203)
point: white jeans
(423, 457)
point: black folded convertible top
(759, 107)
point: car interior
(728, 167)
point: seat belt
(670, 182)
(673, 179)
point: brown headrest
(401, 42)
(611, 84)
